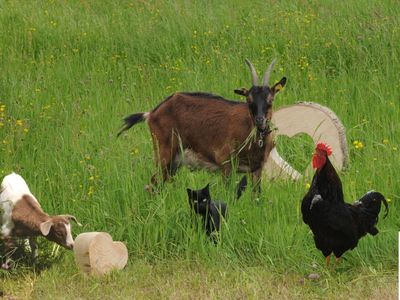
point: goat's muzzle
(69, 246)
(264, 130)
(260, 123)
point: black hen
(337, 226)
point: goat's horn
(71, 217)
(268, 73)
(253, 72)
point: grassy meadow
(71, 70)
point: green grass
(71, 70)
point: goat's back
(197, 104)
(13, 187)
(201, 118)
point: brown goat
(204, 130)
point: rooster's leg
(327, 260)
(337, 260)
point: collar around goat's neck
(262, 133)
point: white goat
(22, 217)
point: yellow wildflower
(19, 122)
(385, 141)
(358, 144)
(91, 190)
(308, 185)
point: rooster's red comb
(324, 147)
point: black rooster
(337, 226)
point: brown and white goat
(22, 217)
(204, 130)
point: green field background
(71, 70)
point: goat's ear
(189, 191)
(45, 227)
(279, 86)
(242, 92)
(71, 217)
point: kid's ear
(189, 191)
(207, 187)
(279, 86)
(242, 92)
(73, 218)
(45, 227)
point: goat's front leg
(256, 178)
(241, 186)
(256, 175)
(34, 248)
(9, 249)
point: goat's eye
(204, 200)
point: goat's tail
(131, 120)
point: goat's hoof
(148, 188)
